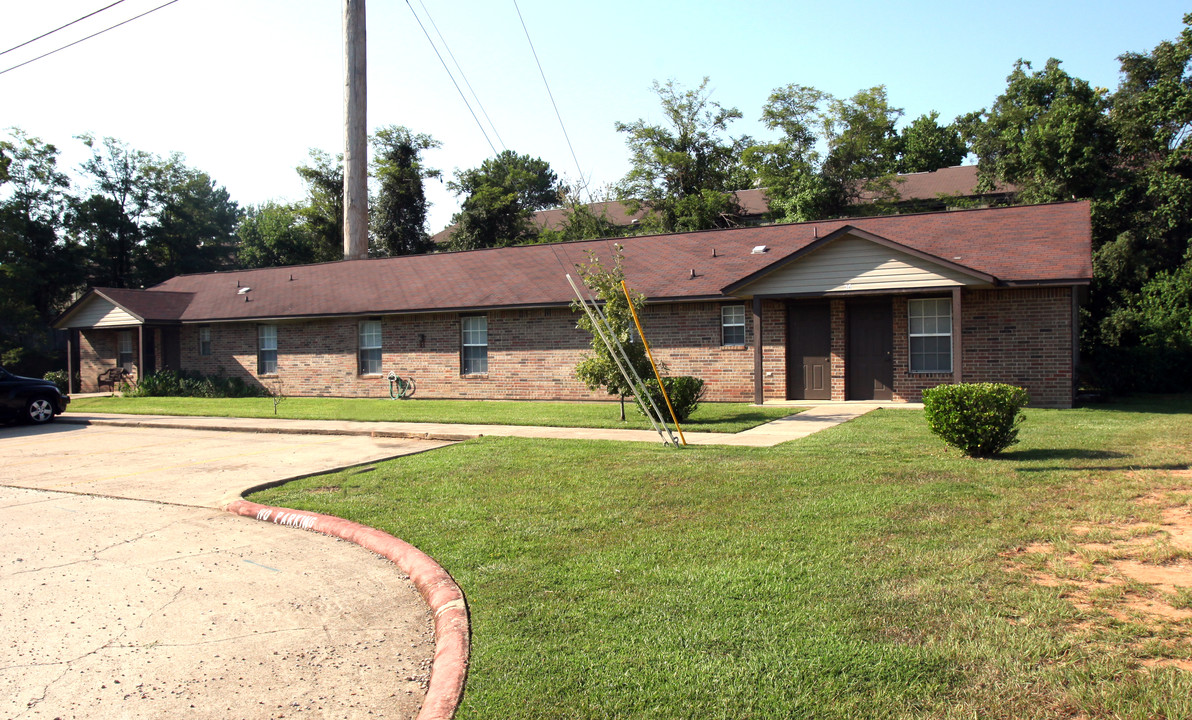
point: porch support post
(957, 333)
(71, 343)
(1076, 298)
(759, 381)
(140, 352)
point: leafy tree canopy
(323, 211)
(1048, 133)
(684, 172)
(274, 234)
(925, 145)
(500, 198)
(398, 209)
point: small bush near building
(980, 419)
(685, 394)
(58, 377)
(167, 383)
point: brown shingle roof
(959, 180)
(1025, 244)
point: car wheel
(39, 410)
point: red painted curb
(449, 669)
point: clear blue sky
(244, 87)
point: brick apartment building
(858, 308)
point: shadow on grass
(1060, 454)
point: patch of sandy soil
(1127, 585)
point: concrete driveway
(125, 594)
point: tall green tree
(1144, 219)
(1048, 133)
(39, 267)
(863, 146)
(323, 210)
(789, 168)
(398, 210)
(925, 145)
(110, 220)
(684, 172)
(272, 235)
(194, 228)
(500, 198)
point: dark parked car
(29, 399)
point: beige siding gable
(850, 265)
(98, 313)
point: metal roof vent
(759, 249)
(243, 290)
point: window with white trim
(732, 325)
(370, 347)
(473, 358)
(205, 341)
(931, 335)
(266, 349)
(124, 354)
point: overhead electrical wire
(453, 82)
(101, 32)
(550, 94)
(72, 22)
(450, 54)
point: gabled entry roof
(111, 307)
(853, 260)
(1038, 244)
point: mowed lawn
(864, 572)
(710, 417)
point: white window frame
(369, 339)
(125, 355)
(727, 322)
(933, 314)
(473, 334)
(205, 341)
(266, 350)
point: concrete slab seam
(449, 667)
(392, 434)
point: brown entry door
(870, 362)
(808, 352)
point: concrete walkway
(792, 427)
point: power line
(72, 22)
(550, 94)
(450, 54)
(101, 32)
(453, 82)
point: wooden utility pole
(355, 133)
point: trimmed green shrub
(980, 419)
(58, 377)
(685, 394)
(167, 383)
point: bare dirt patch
(1133, 572)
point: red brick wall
(97, 353)
(1018, 336)
(1021, 337)
(531, 354)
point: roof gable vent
(759, 249)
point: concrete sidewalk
(792, 427)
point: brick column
(839, 347)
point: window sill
(473, 376)
(734, 348)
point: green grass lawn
(710, 417)
(857, 573)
